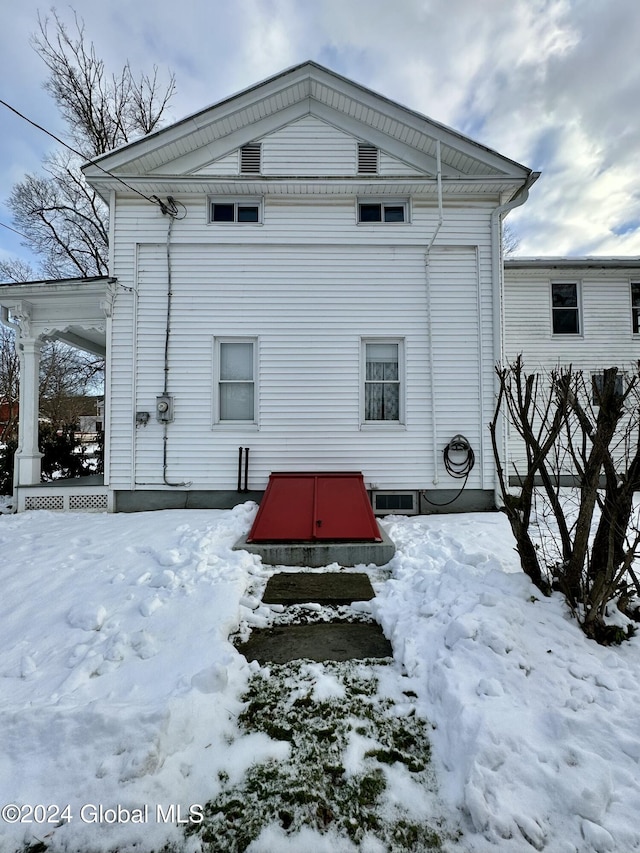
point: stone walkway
(337, 640)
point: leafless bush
(569, 499)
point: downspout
(497, 272)
(434, 419)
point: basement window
(250, 157)
(391, 210)
(397, 503)
(597, 384)
(225, 211)
(367, 159)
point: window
(367, 159)
(403, 503)
(382, 384)
(235, 380)
(565, 309)
(635, 307)
(597, 382)
(393, 210)
(243, 211)
(250, 156)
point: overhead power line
(9, 228)
(82, 156)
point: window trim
(216, 414)
(404, 202)
(236, 201)
(635, 318)
(599, 375)
(578, 309)
(402, 383)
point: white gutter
(497, 272)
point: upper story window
(391, 210)
(223, 211)
(565, 308)
(250, 157)
(367, 159)
(635, 307)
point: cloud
(553, 84)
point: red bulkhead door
(311, 507)
(343, 510)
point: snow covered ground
(119, 687)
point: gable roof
(189, 145)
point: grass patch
(344, 741)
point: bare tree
(16, 270)
(581, 539)
(102, 110)
(64, 220)
(9, 384)
(66, 377)
(510, 241)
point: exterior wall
(308, 147)
(606, 336)
(308, 285)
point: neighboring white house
(583, 312)
(312, 272)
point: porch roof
(72, 310)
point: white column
(27, 459)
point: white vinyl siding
(309, 147)
(607, 338)
(289, 152)
(311, 284)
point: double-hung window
(383, 391)
(565, 308)
(635, 306)
(235, 380)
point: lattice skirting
(65, 500)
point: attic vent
(250, 159)
(367, 159)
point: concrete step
(321, 641)
(327, 588)
(336, 640)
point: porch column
(27, 458)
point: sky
(552, 84)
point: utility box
(315, 507)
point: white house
(583, 312)
(306, 276)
